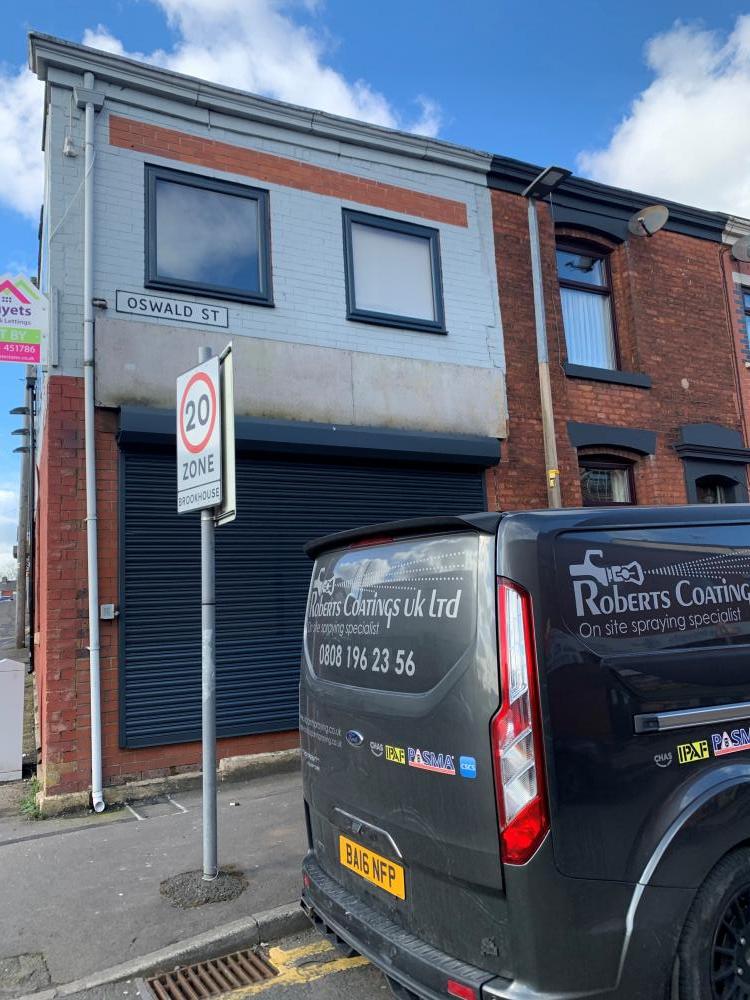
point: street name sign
(161, 307)
(199, 438)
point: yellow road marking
(291, 974)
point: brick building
(647, 339)
(373, 285)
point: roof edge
(597, 199)
(47, 51)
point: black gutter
(582, 202)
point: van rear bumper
(419, 971)
(413, 964)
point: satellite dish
(647, 221)
(741, 249)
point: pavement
(84, 892)
(81, 895)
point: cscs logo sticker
(467, 767)
(689, 753)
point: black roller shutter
(262, 578)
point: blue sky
(644, 94)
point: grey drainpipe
(91, 101)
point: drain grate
(212, 978)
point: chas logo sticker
(663, 759)
(730, 742)
(395, 755)
(689, 753)
(426, 760)
(354, 739)
(376, 749)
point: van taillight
(365, 543)
(516, 731)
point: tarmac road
(7, 625)
(310, 969)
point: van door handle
(684, 718)
(357, 825)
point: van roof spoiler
(485, 522)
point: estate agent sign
(24, 318)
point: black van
(526, 752)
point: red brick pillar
(62, 657)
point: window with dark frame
(746, 300)
(393, 274)
(715, 489)
(207, 236)
(606, 482)
(585, 292)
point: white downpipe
(97, 797)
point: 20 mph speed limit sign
(199, 482)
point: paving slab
(84, 892)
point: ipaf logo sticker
(730, 742)
(396, 755)
(689, 753)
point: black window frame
(585, 248)
(726, 483)
(608, 462)
(746, 307)
(154, 173)
(393, 319)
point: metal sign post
(205, 456)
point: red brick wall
(62, 656)
(673, 324)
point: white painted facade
(459, 376)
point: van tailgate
(399, 684)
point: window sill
(401, 322)
(209, 292)
(613, 376)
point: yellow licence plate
(372, 867)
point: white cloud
(685, 135)
(256, 45)
(8, 529)
(21, 168)
(253, 45)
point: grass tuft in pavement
(28, 806)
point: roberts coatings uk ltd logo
(615, 599)
(588, 578)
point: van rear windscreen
(395, 616)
